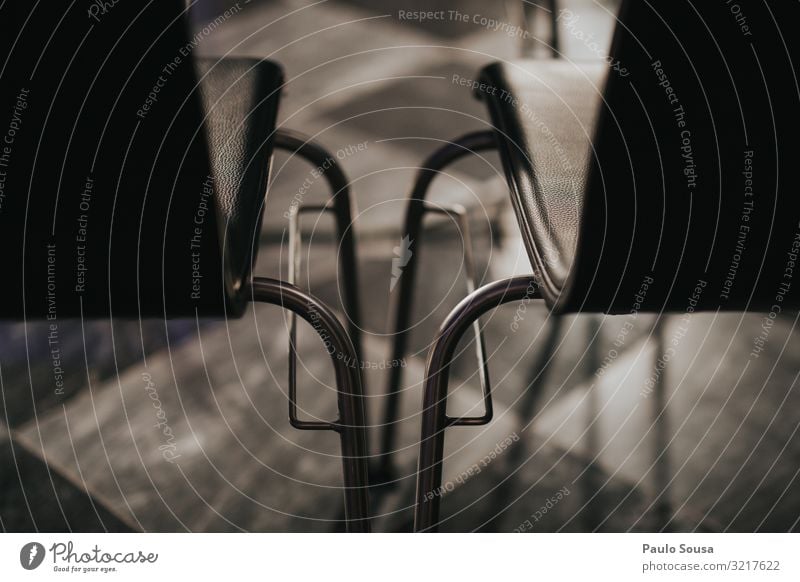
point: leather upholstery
(685, 196)
(135, 186)
(240, 98)
(544, 114)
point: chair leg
(526, 409)
(351, 424)
(342, 207)
(661, 473)
(459, 148)
(555, 42)
(434, 410)
(529, 13)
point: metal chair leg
(342, 206)
(459, 148)
(351, 424)
(528, 14)
(664, 511)
(434, 412)
(526, 408)
(555, 40)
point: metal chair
(418, 208)
(660, 181)
(134, 179)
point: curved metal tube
(432, 167)
(342, 204)
(434, 405)
(351, 424)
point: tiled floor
(722, 456)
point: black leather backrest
(107, 205)
(692, 200)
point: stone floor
(592, 448)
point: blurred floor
(594, 454)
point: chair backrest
(108, 201)
(692, 200)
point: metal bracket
(295, 242)
(460, 215)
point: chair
(133, 183)
(659, 181)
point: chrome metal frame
(345, 349)
(434, 414)
(341, 205)
(417, 208)
(351, 424)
